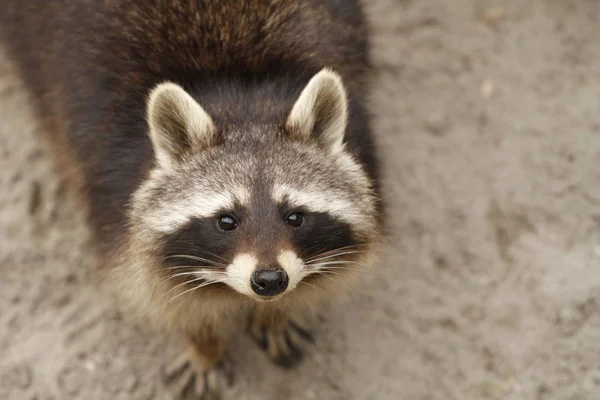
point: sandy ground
(489, 120)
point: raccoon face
(260, 211)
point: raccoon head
(261, 209)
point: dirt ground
(488, 114)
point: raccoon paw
(190, 383)
(283, 344)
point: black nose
(269, 282)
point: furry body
(91, 67)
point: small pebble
(437, 123)
(493, 15)
(487, 89)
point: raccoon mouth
(267, 299)
(271, 299)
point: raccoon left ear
(178, 124)
(321, 111)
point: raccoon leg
(280, 336)
(202, 372)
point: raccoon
(224, 151)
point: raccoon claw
(282, 345)
(190, 384)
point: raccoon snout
(269, 282)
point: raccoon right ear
(178, 124)
(321, 111)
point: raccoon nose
(269, 282)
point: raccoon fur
(224, 150)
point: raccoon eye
(294, 219)
(227, 223)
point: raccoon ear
(321, 111)
(177, 124)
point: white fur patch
(239, 272)
(175, 214)
(243, 265)
(293, 266)
(318, 201)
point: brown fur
(90, 66)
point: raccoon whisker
(321, 247)
(194, 247)
(199, 274)
(207, 273)
(325, 275)
(186, 283)
(308, 284)
(215, 263)
(332, 263)
(335, 265)
(323, 264)
(197, 287)
(351, 247)
(195, 273)
(319, 268)
(167, 279)
(332, 269)
(200, 278)
(213, 255)
(312, 260)
(325, 272)
(334, 256)
(339, 250)
(194, 258)
(200, 268)
(335, 269)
